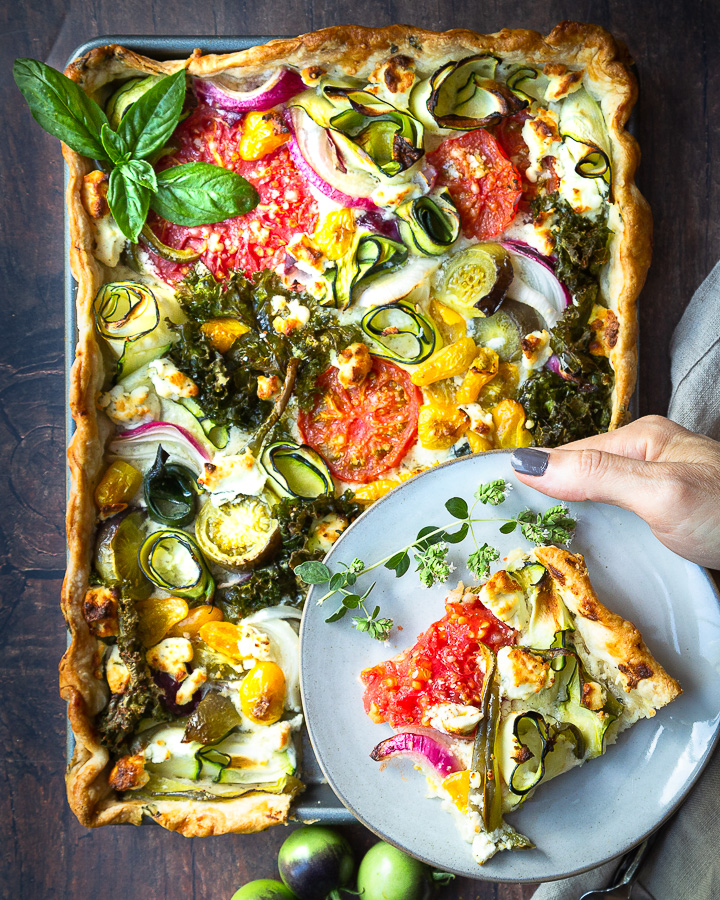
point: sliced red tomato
(509, 136)
(365, 429)
(483, 183)
(441, 668)
(251, 242)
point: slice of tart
(524, 678)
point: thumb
(590, 474)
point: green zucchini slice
(464, 95)
(218, 435)
(593, 726)
(392, 139)
(172, 560)
(127, 316)
(527, 82)
(403, 334)
(583, 127)
(369, 256)
(431, 223)
(296, 470)
(125, 96)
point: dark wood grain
(44, 852)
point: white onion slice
(280, 86)
(140, 446)
(315, 154)
(394, 286)
(285, 651)
(536, 284)
(274, 612)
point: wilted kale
(276, 582)
(581, 246)
(564, 411)
(227, 382)
(577, 406)
(117, 722)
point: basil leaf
(141, 172)
(114, 144)
(151, 120)
(129, 203)
(62, 108)
(201, 194)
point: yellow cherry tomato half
(190, 626)
(262, 693)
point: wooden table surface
(44, 852)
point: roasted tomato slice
(512, 143)
(364, 429)
(441, 668)
(483, 183)
(251, 242)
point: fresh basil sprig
(189, 194)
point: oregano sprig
(431, 547)
(190, 194)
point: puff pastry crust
(613, 648)
(351, 49)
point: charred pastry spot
(587, 612)
(556, 573)
(94, 194)
(129, 773)
(555, 69)
(312, 73)
(635, 673)
(100, 610)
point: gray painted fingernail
(529, 461)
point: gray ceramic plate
(585, 817)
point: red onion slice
(424, 748)
(280, 86)
(555, 366)
(141, 444)
(536, 284)
(317, 157)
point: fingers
(592, 474)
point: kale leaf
(276, 582)
(227, 382)
(576, 404)
(581, 246)
(117, 722)
(565, 410)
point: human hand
(667, 475)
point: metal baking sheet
(317, 803)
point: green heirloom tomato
(387, 873)
(316, 863)
(264, 889)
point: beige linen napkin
(684, 863)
